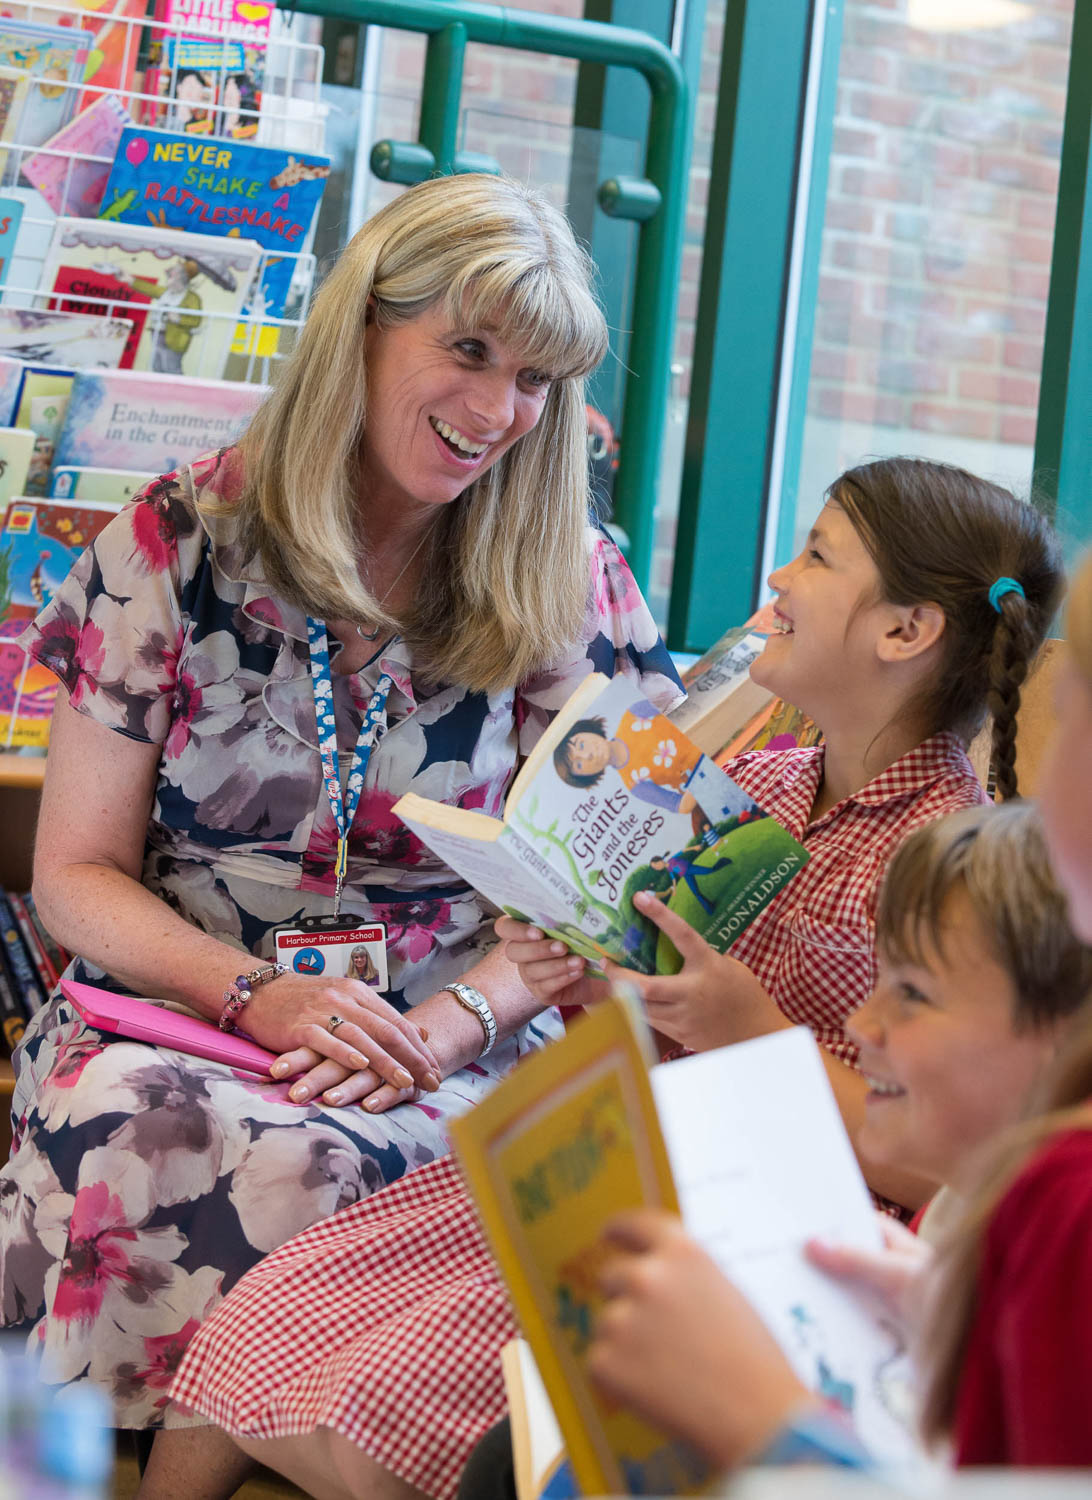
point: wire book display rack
(151, 57)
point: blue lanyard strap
(344, 807)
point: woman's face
(827, 622)
(945, 1065)
(1065, 797)
(444, 402)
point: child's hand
(890, 1279)
(680, 1345)
(713, 1000)
(553, 975)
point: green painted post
(1063, 436)
(737, 354)
(666, 156)
(440, 93)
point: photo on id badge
(335, 950)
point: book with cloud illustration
(615, 799)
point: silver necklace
(373, 635)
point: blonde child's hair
(1063, 1105)
(505, 581)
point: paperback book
(104, 486)
(63, 338)
(221, 188)
(614, 800)
(209, 61)
(53, 59)
(39, 540)
(13, 93)
(721, 697)
(41, 956)
(11, 380)
(748, 1143)
(40, 408)
(16, 450)
(182, 292)
(150, 424)
(11, 216)
(21, 966)
(71, 169)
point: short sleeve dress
(144, 1182)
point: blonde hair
(998, 857)
(505, 576)
(1064, 1105)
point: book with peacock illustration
(615, 799)
(39, 542)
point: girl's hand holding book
(891, 1278)
(713, 1001)
(679, 1344)
(552, 974)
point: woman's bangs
(530, 311)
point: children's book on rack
(121, 419)
(11, 380)
(181, 291)
(16, 452)
(209, 62)
(39, 542)
(41, 408)
(88, 340)
(614, 800)
(14, 84)
(103, 486)
(221, 188)
(53, 60)
(747, 1143)
(71, 169)
(11, 217)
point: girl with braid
(371, 1343)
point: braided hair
(938, 534)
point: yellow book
(550, 1156)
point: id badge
(335, 948)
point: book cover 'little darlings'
(221, 188)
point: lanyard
(375, 721)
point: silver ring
(333, 1023)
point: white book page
(762, 1163)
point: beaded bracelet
(237, 994)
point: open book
(614, 799)
(750, 1140)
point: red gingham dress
(385, 1321)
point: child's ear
(912, 630)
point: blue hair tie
(1002, 586)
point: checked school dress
(385, 1322)
(144, 1182)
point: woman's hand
(713, 1000)
(552, 974)
(680, 1345)
(374, 1046)
(889, 1279)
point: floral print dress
(143, 1182)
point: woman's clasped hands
(373, 1055)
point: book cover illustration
(11, 216)
(183, 292)
(11, 381)
(613, 800)
(40, 540)
(119, 419)
(217, 60)
(549, 1163)
(41, 407)
(86, 340)
(53, 58)
(115, 27)
(221, 188)
(13, 92)
(102, 486)
(16, 449)
(71, 169)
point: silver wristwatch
(472, 999)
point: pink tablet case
(148, 1022)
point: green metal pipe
(440, 93)
(659, 244)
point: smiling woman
(390, 583)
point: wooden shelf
(22, 770)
